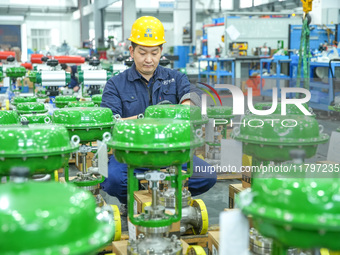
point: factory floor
(217, 198)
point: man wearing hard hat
(147, 83)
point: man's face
(146, 58)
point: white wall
(62, 28)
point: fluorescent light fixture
(44, 14)
(12, 18)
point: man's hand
(187, 102)
(131, 118)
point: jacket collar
(133, 74)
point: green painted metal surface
(1, 76)
(154, 143)
(291, 109)
(269, 138)
(41, 148)
(51, 218)
(37, 118)
(23, 99)
(15, 72)
(81, 104)
(97, 99)
(88, 123)
(220, 112)
(301, 212)
(32, 76)
(176, 111)
(9, 118)
(62, 101)
(30, 107)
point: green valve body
(51, 218)
(97, 99)
(23, 99)
(9, 118)
(31, 107)
(37, 118)
(88, 123)
(273, 137)
(32, 76)
(154, 143)
(41, 148)
(299, 212)
(176, 111)
(15, 72)
(291, 109)
(62, 101)
(1, 76)
(81, 104)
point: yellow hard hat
(147, 31)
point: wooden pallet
(229, 176)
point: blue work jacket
(129, 93)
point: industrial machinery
(194, 212)
(97, 100)
(93, 81)
(90, 124)
(31, 107)
(50, 81)
(280, 201)
(62, 101)
(8, 117)
(36, 118)
(81, 104)
(221, 116)
(22, 99)
(155, 143)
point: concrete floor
(216, 199)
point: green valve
(299, 212)
(291, 109)
(35, 118)
(30, 107)
(62, 101)
(81, 104)
(154, 143)
(41, 148)
(272, 137)
(23, 99)
(32, 76)
(220, 112)
(97, 99)
(88, 123)
(15, 72)
(176, 111)
(51, 218)
(81, 76)
(9, 118)
(109, 75)
(1, 76)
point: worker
(74, 84)
(147, 83)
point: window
(41, 38)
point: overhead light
(12, 18)
(43, 14)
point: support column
(129, 15)
(98, 19)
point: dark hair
(134, 45)
(63, 66)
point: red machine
(36, 59)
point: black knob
(52, 62)
(19, 172)
(88, 58)
(94, 62)
(25, 122)
(164, 61)
(44, 59)
(10, 59)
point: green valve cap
(220, 112)
(299, 212)
(41, 148)
(36, 118)
(62, 101)
(15, 72)
(176, 111)
(88, 123)
(97, 99)
(81, 104)
(273, 137)
(51, 218)
(23, 99)
(30, 107)
(154, 143)
(8, 118)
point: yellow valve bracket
(118, 223)
(324, 251)
(307, 5)
(56, 175)
(7, 104)
(204, 213)
(145, 205)
(195, 250)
